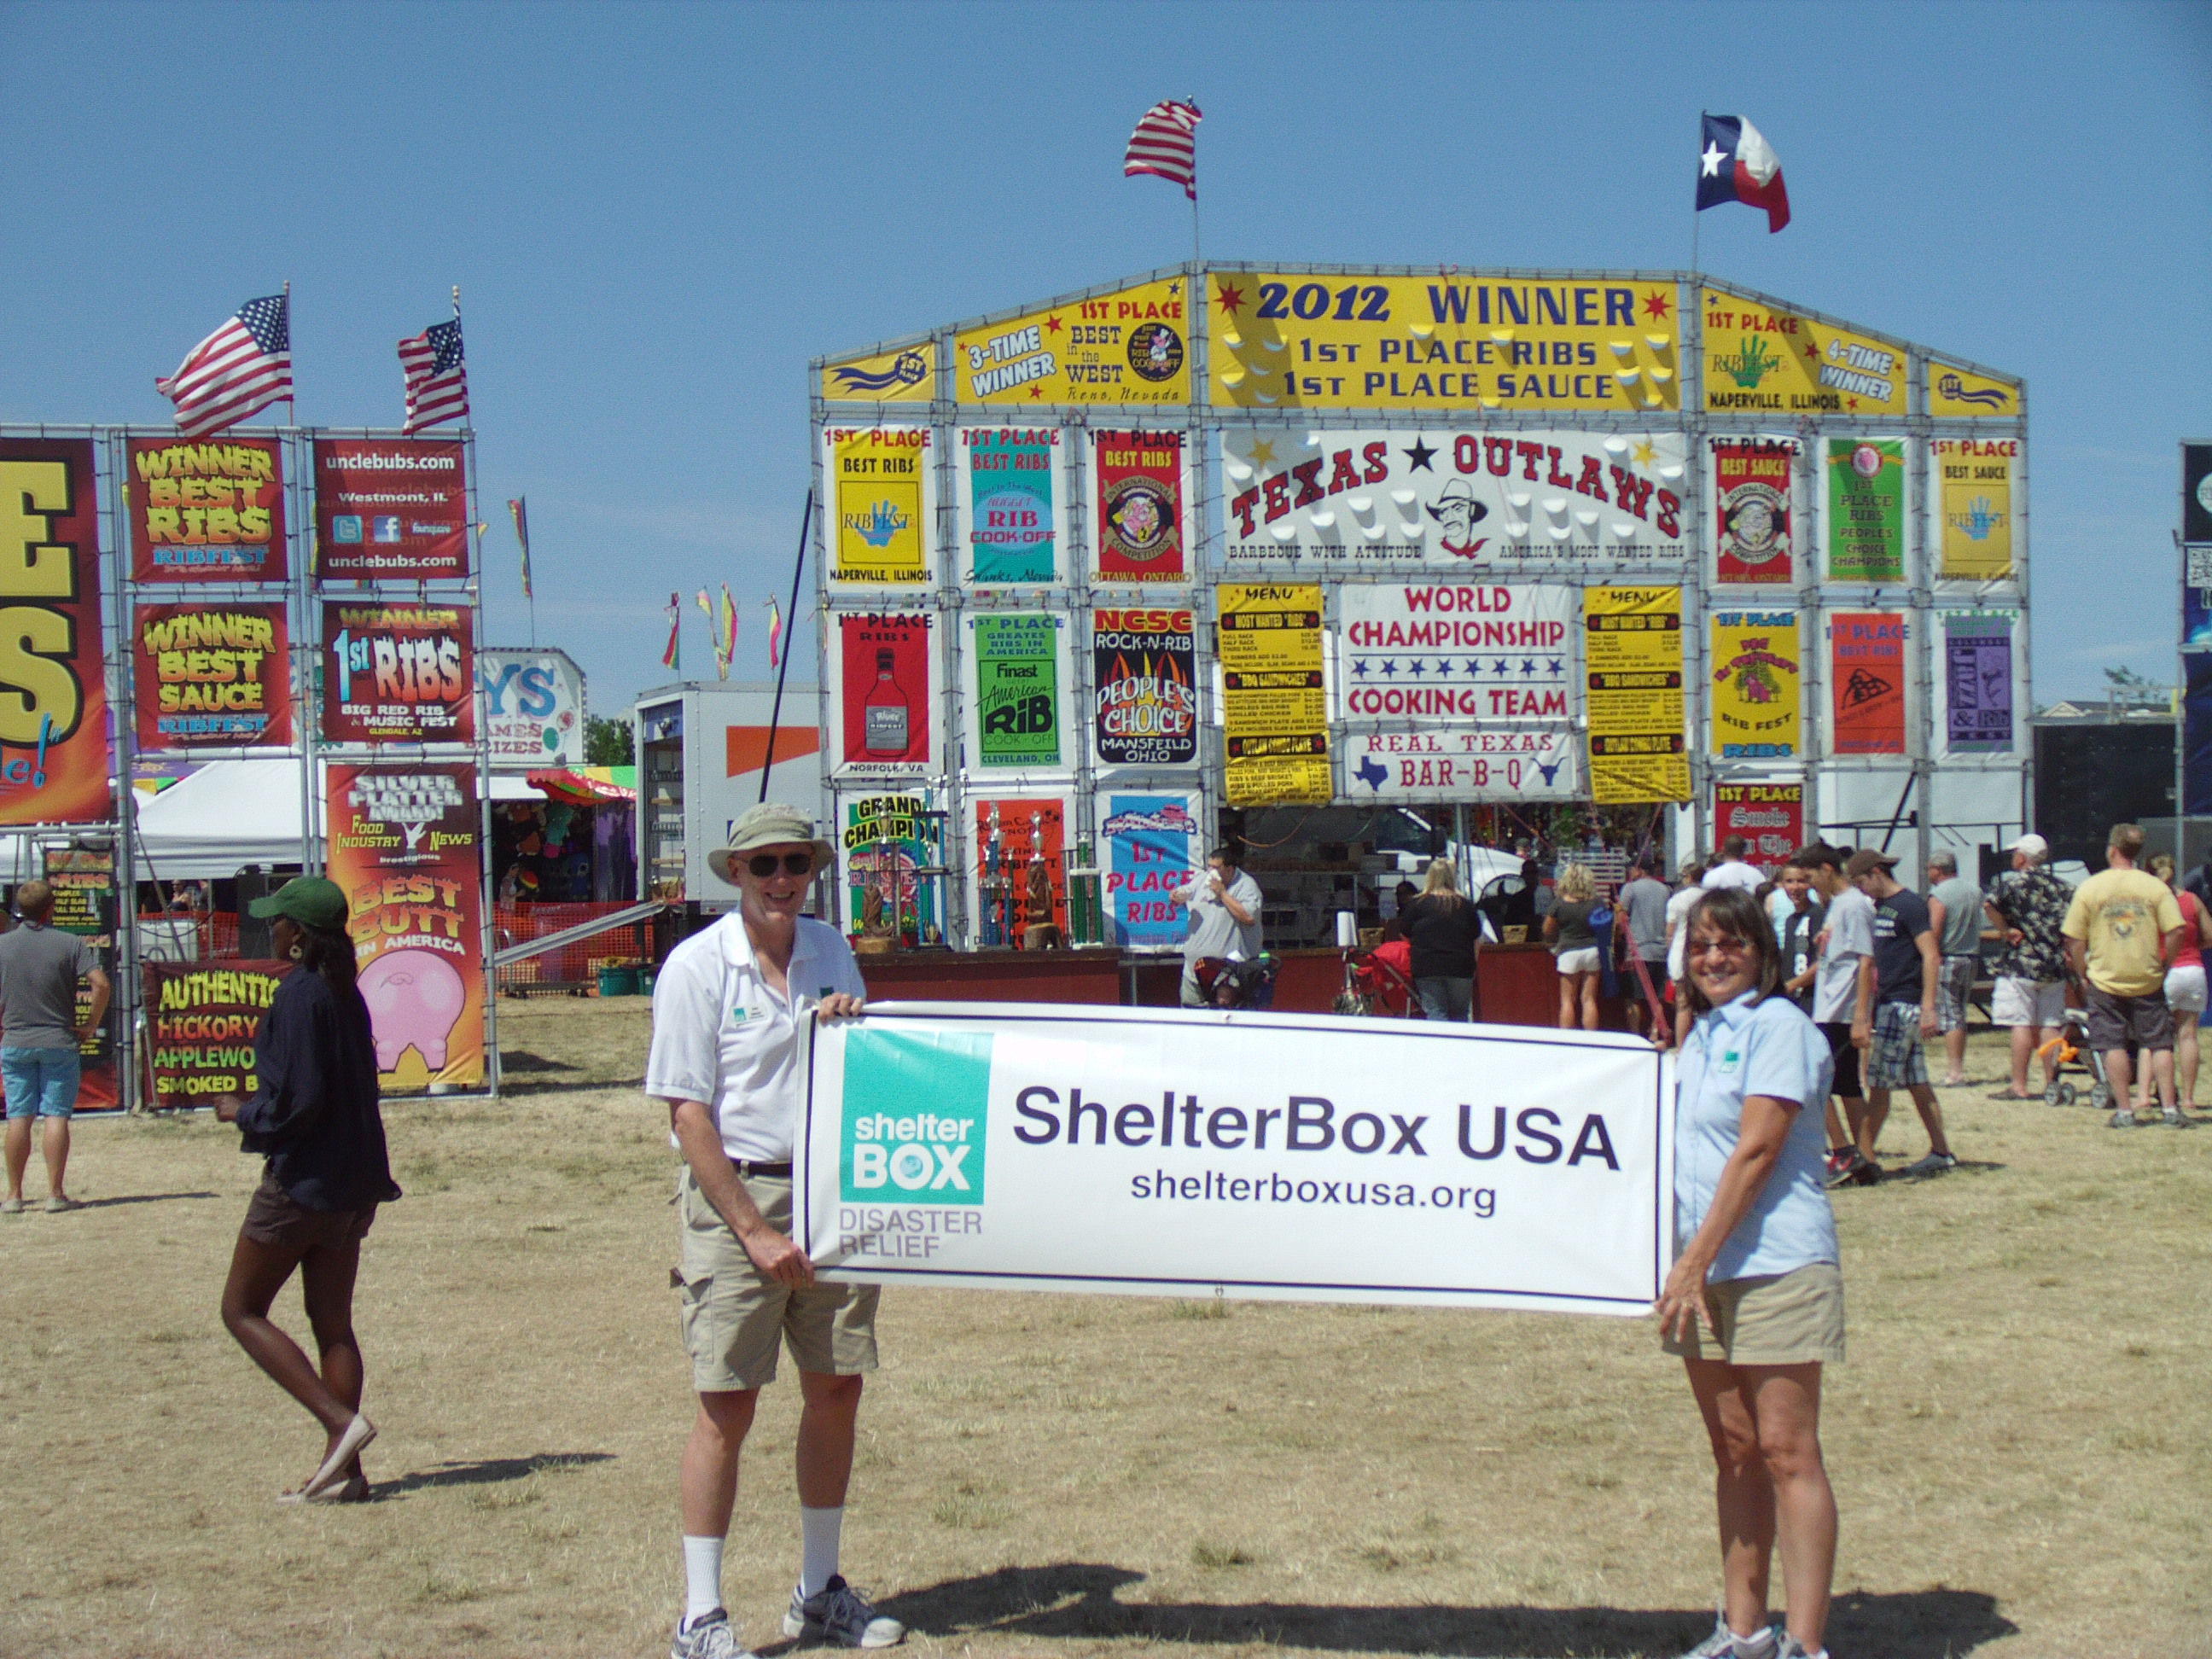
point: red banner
(885, 660)
(201, 1020)
(391, 509)
(54, 761)
(211, 676)
(1769, 817)
(397, 673)
(206, 510)
(1868, 671)
(1751, 497)
(1140, 507)
(83, 881)
(406, 847)
(1014, 838)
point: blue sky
(659, 213)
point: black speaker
(2089, 778)
(253, 941)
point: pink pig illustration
(415, 1000)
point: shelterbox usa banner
(1281, 1157)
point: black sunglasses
(796, 864)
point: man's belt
(746, 1170)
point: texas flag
(1739, 164)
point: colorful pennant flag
(520, 507)
(774, 635)
(725, 646)
(1165, 145)
(1739, 164)
(437, 379)
(243, 366)
(673, 656)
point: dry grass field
(2019, 1443)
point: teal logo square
(916, 1104)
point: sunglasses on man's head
(796, 864)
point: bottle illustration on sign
(885, 714)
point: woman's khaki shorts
(1794, 1318)
(732, 1314)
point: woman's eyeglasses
(794, 864)
(1718, 947)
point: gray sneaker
(838, 1613)
(1793, 1648)
(2177, 1119)
(1725, 1643)
(1934, 1164)
(11, 1206)
(2122, 1119)
(711, 1637)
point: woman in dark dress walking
(315, 1119)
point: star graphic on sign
(1655, 304)
(1646, 451)
(1420, 455)
(1389, 669)
(1556, 667)
(1052, 325)
(1359, 668)
(1231, 297)
(1263, 454)
(1850, 403)
(1812, 348)
(1415, 668)
(1036, 392)
(1174, 288)
(1712, 158)
(1500, 667)
(1473, 667)
(1527, 667)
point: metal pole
(775, 710)
(122, 713)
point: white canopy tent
(235, 812)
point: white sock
(702, 1576)
(819, 1531)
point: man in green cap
(42, 1037)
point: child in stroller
(1234, 982)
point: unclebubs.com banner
(1287, 1156)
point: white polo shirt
(722, 1038)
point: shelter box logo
(919, 1103)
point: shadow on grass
(1076, 1601)
(508, 1086)
(521, 1061)
(486, 1472)
(142, 1197)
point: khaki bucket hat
(770, 824)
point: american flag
(1165, 144)
(244, 365)
(437, 380)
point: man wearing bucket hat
(728, 1008)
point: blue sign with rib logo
(916, 1104)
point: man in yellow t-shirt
(2121, 930)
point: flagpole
(775, 710)
(1196, 258)
(1696, 218)
(291, 408)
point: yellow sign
(1758, 685)
(1952, 393)
(1633, 656)
(1760, 361)
(907, 375)
(1274, 712)
(1302, 340)
(1132, 347)
(1974, 493)
(878, 504)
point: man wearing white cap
(727, 1011)
(2028, 905)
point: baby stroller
(2072, 1050)
(1234, 983)
(1379, 983)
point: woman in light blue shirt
(1755, 1302)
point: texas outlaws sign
(1464, 501)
